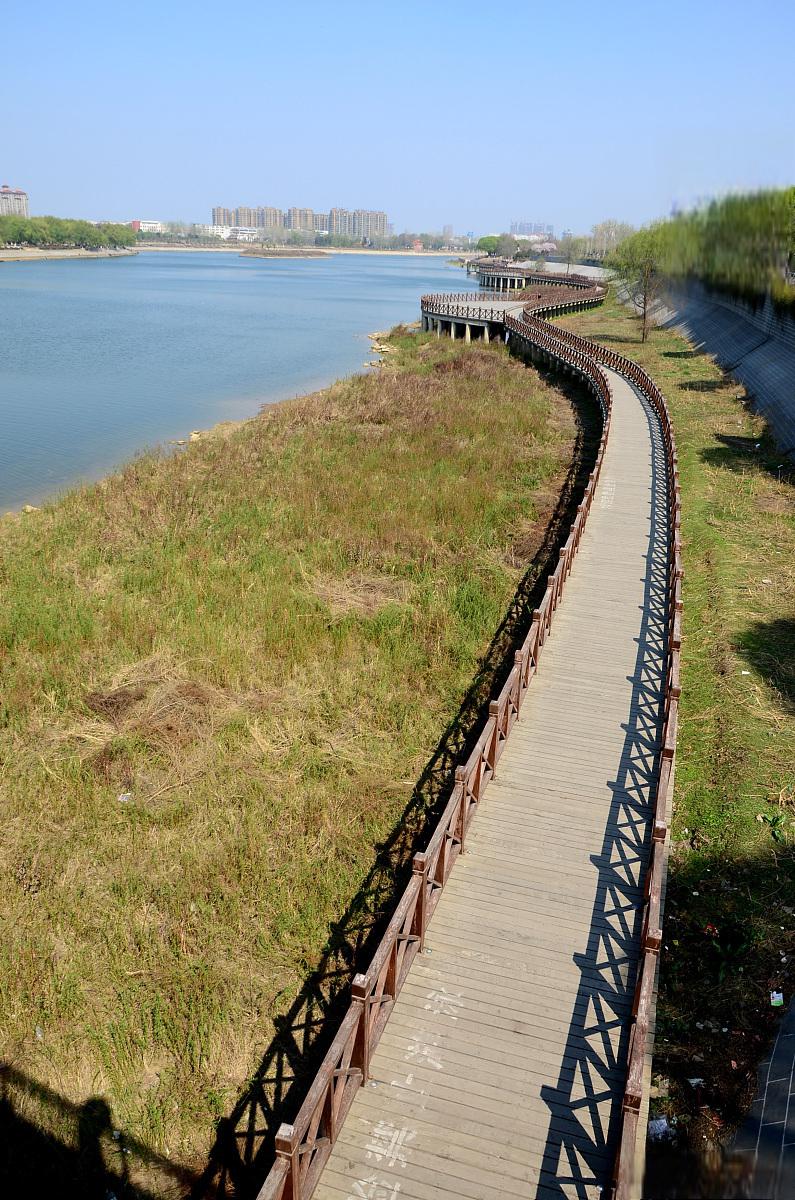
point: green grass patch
(729, 915)
(222, 671)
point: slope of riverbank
(756, 345)
(222, 672)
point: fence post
(286, 1145)
(361, 1046)
(419, 866)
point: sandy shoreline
(33, 254)
(322, 252)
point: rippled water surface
(101, 358)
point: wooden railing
(303, 1147)
(469, 305)
(502, 268)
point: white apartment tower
(13, 202)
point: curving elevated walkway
(501, 1066)
(497, 1044)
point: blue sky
(470, 114)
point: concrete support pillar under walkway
(467, 332)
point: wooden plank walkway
(499, 1071)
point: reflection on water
(101, 358)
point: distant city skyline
(165, 117)
(361, 223)
(526, 228)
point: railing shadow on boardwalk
(579, 1150)
(50, 1146)
(244, 1147)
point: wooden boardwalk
(501, 1069)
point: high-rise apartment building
(368, 225)
(13, 202)
(245, 217)
(340, 222)
(223, 216)
(270, 218)
(321, 222)
(302, 219)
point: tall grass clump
(221, 671)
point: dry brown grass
(221, 672)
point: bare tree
(607, 236)
(637, 263)
(572, 249)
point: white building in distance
(13, 202)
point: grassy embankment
(729, 929)
(221, 672)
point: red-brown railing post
(463, 807)
(494, 714)
(419, 866)
(287, 1148)
(361, 1046)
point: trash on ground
(660, 1130)
(776, 999)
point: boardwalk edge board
(304, 1146)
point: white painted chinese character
(424, 1054)
(373, 1188)
(407, 1082)
(444, 1002)
(388, 1144)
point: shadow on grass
(739, 453)
(770, 647)
(597, 336)
(51, 1147)
(722, 956)
(244, 1148)
(694, 353)
(702, 385)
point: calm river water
(99, 359)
